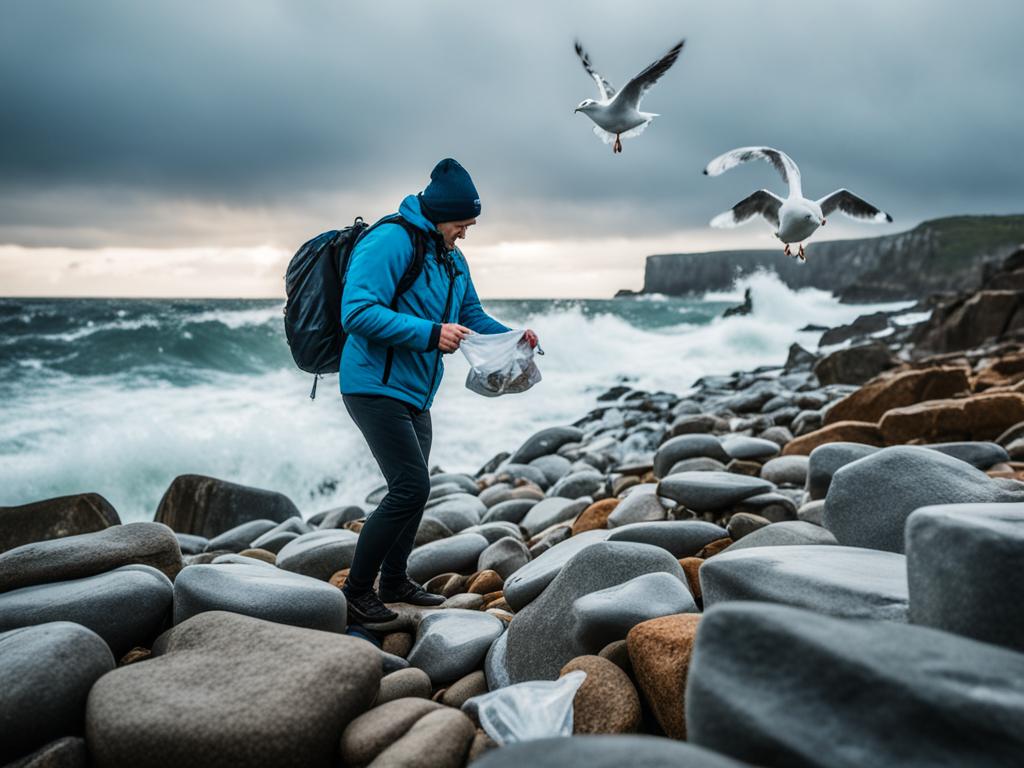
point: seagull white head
(585, 105)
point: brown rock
(607, 702)
(500, 604)
(712, 549)
(397, 643)
(1003, 372)
(464, 689)
(485, 582)
(841, 431)
(660, 650)
(403, 684)
(855, 365)
(691, 567)
(465, 600)
(55, 518)
(622, 483)
(504, 615)
(981, 417)
(741, 467)
(595, 516)
(370, 734)
(481, 744)
(138, 653)
(339, 578)
(446, 584)
(970, 321)
(354, 525)
(618, 654)
(439, 739)
(490, 597)
(896, 390)
(263, 554)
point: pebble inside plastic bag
(538, 709)
(500, 363)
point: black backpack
(314, 283)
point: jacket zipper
(450, 268)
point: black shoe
(409, 592)
(368, 609)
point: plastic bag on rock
(500, 363)
(538, 709)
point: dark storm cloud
(178, 123)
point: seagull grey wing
(844, 201)
(780, 161)
(638, 87)
(761, 203)
(604, 88)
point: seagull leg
(617, 146)
(785, 249)
(802, 254)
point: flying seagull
(618, 115)
(796, 218)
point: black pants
(399, 439)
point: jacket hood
(411, 212)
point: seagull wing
(845, 201)
(638, 87)
(782, 162)
(761, 203)
(604, 88)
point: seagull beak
(576, 110)
(823, 222)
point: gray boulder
(47, 671)
(553, 510)
(784, 534)
(207, 506)
(744, 523)
(604, 752)
(964, 567)
(696, 464)
(640, 504)
(607, 615)
(825, 461)
(786, 470)
(452, 643)
(585, 482)
(838, 581)
(67, 752)
(774, 506)
(337, 517)
(127, 606)
(274, 542)
(511, 511)
(544, 442)
(86, 554)
(553, 466)
(226, 689)
(514, 474)
(431, 530)
(895, 694)
(870, 500)
(261, 591)
(749, 448)
(496, 531)
(978, 454)
(540, 639)
(458, 554)
(191, 545)
(682, 538)
(711, 491)
(524, 585)
(496, 664)
(687, 447)
(54, 518)
(319, 554)
(505, 556)
(241, 536)
(465, 482)
(456, 516)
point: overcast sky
(187, 147)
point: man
(391, 368)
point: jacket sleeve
(375, 267)
(472, 315)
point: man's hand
(531, 338)
(451, 336)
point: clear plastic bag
(538, 709)
(500, 363)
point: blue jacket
(407, 336)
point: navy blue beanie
(450, 195)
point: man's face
(454, 230)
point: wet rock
(586, 482)
(870, 402)
(698, 464)
(337, 517)
(603, 752)
(452, 643)
(410, 682)
(812, 512)
(459, 692)
(749, 448)
(778, 435)
(607, 615)
(319, 554)
(776, 507)
(458, 512)
(530, 580)
(864, 432)
(855, 365)
(743, 523)
(786, 533)
(191, 545)
(458, 554)
(465, 482)
(978, 454)
(687, 447)
(430, 529)
(540, 640)
(86, 554)
(964, 566)
(839, 581)
(825, 460)
(440, 738)
(261, 592)
(207, 506)
(640, 504)
(551, 511)
(553, 466)
(681, 538)
(241, 536)
(496, 531)
(870, 500)
(981, 417)
(127, 606)
(512, 511)
(660, 652)
(786, 470)
(594, 517)
(48, 670)
(274, 542)
(54, 518)
(466, 601)
(496, 664)
(505, 557)
(545, 442)
(846, 667)
(695, 423)
(234, 690)
(606, 702)
(711, 491)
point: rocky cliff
(936, 256)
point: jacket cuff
(435, 337)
